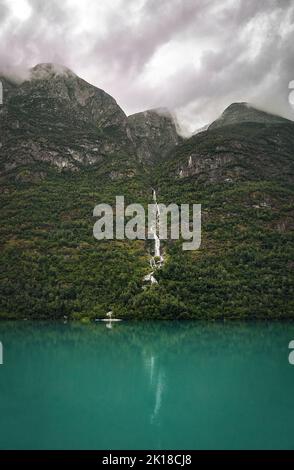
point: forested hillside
(67, 146)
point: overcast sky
(193, 56)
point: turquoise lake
(158, 385)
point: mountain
(244, 112)
(67, 146)
(155, 134)
(56, 117)
(246, 150)
(242, 174)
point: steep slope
(64, 149)
(154, 133)
(243, 151)
(56, 116)
(238, 113)
(242, 175)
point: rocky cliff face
(55, 96)
(238, 113)
(247, 151)
(244, 144)
(56, 117)
(154, 133)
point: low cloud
(194, 57)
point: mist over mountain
(244, 112)
(195, 58)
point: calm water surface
(157, 385)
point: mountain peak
(154, 132)
(159, 111)
(239, 105)
(244, 112)
(55, 105)
(47, 71)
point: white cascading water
(156, 228)
(156, 261)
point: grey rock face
(154, 133)
(56, 117)
(58, 96)
(209, 165)
(243, 112)
(235, 153)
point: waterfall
(155, 232)
(156, 228)
(156, 261)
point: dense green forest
(67, 146)
(52, 266)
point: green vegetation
(52, 266)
